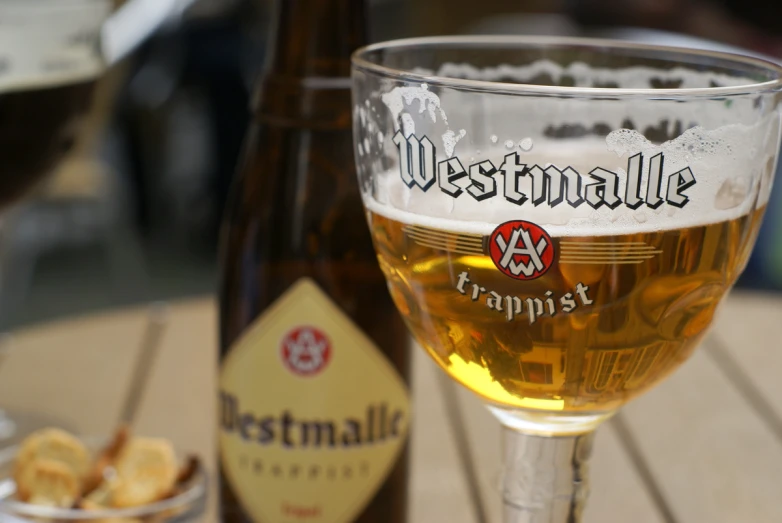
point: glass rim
(31, 3)
(361, 62)
(28, 6)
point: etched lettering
(678, 182)
(512, 170)
(483, 184)
(417, 160)
(550, 184)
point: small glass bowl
(187, 506)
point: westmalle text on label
(378, 425)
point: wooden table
(706, 446)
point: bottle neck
(306, 79)
(315, 38)
(546, 479)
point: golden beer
(611, 317)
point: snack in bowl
(50, 468)
(53, 468)
(146, 471)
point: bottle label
(47, 43)
(312, 414)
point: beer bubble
(494, 138)
(362, 115)
(509, 144)
(406, 197)
(428, 102)
(450, 139)
(525, 144)
(732, 193)
(408, 125)
(450, 206)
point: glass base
(547, 423)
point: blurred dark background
(134, 213)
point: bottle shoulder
(304, 102)
(297, 198)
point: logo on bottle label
(312, 414)
(305, 351)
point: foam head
(50, 43)
(467, 161)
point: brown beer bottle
(314, 405)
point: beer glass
(558, 221)
(52, 52)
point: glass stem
(546, 479)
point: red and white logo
(521, 250)
(305, 351)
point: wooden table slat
(75, 371)
(712, 457)
(748, 331)
(618, 495)
(438, 488)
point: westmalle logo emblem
(521, 250)
(305, 351)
